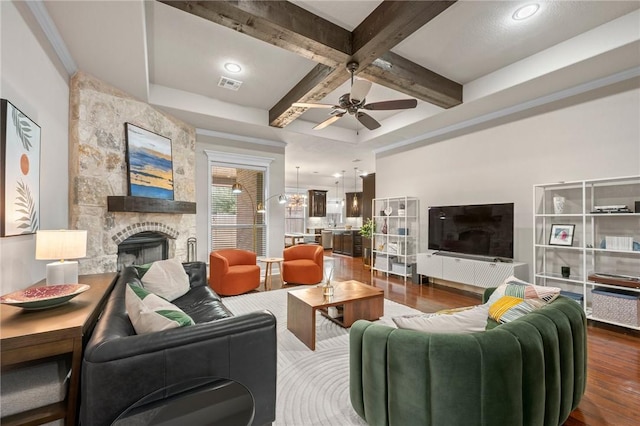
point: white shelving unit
(395, 242)
(588, 252)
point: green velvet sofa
(531, 371)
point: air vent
(229, 83)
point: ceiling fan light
(359, 91)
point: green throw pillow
(142, 269)
(150, 313)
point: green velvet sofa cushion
(531, 371)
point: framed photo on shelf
(561, 235)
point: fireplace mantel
(116, 203)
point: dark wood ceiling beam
(389, 24)
(283, 24)
(315, 86)
(397, 73)
(280, 23)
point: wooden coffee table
(356, 300)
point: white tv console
(470, 271)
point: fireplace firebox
(141, 248)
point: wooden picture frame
(20, 168)
(149, 164)
(561, 235)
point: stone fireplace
(98, 171)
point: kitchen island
(347, 241)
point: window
(235, 222)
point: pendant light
(355, 210)
(343, 192)
(297, 200)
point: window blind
(235, 222)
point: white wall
(595, 135)
(32, 80)
(275, 211)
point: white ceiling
(174, 60)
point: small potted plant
(367, 230)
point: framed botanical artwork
(20, 168)
(149, 163)
(561, 235)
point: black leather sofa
(120, 367)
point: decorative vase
(558, 204)
(384, 226)
(327, 289)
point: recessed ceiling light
(232, 67)
(526, 11)
(337, 175)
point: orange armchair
(303, 264)
(233, 271)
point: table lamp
(61, 244)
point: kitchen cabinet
(347, 242)
(317, 203)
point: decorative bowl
(43, 297)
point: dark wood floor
(613, 379)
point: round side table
(268, 271)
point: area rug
(313, 386)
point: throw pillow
(167, 278)
(470, 320)
(150, 313)
(516, 298)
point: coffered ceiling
(172, 56)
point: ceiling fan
(353, 102)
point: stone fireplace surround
(98, 169)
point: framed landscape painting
(149, 163)
(20, 168)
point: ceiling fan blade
(328, 121)
(389, 105)
(359, 90)
(309, 105)
(367, 121)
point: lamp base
(62, 272)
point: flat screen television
(479, 229)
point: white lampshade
(62, 244)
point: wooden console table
(28, 336)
